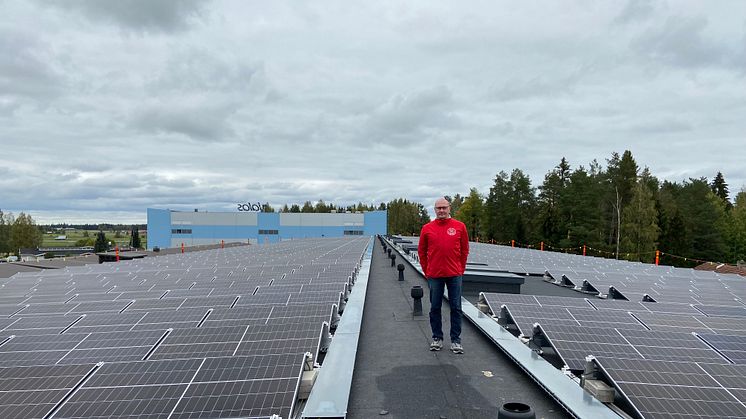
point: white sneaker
(456, 348)
(436, 345)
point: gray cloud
(112, 107)
(196, 121)
(681, 41)
(140, 15)
(635, 11)
(412, 117)
(27, 70)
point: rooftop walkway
(397, 377)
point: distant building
(167, 228)
(63, 237)
(30, 255)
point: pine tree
(101, 244)
(704, 216)
(135, 238)
(720, 188)
(471, 213)
(737, 230)
(5, 232)
(640, 230)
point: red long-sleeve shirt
(443, 248)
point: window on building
(353, 232)
(275, 232)
(181, 231)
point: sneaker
(436, 345)
(456, 348)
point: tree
(549, 221)
(456, 202)
(704, 216)
(508, 208)
(580, 210)
(640, 230)
(321, 207)
(24, 233)
(135, 238)
(736, 237)
(622, 176)
(405, 217)
(471, 213)
(90, 241)
(720, 189)
(295, 208)
(307, 207)
(285, 208)
(267, 208)
(101, 244)
(6, 220)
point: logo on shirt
(451, 231)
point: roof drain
(157, 344)
(72, 391)
(204, 318)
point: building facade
(167, 228)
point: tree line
(18, 232)
(619, 210)
(21, 232)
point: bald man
(443, 250)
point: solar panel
(659, 389)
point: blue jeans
(437, 285)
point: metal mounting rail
(331, 392)
(560, 387)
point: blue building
(167, 228)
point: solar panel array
(667, 338)
(219, 333)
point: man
(443, 249)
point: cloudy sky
(110, 107)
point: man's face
(442, 209)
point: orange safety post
(583, 250)
(116, 250)
(222, 244)
(182, 247)
(512, 243)
(542, 246)
(657, 257)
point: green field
(72, 236)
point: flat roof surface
(396, 373)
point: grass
(72, 236)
